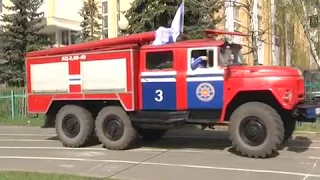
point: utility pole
(286, 17)
(274, 60)
(318, 27)
(229, 25)
(255, 32)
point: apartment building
(62, 18)
(237, 20)
(280, 45)
(63, 23)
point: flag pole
(182, 24)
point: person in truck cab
(199, 60)
(226, 56)
(230, 55)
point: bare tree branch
(300, 8)
(255, 35)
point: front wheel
(256, 130)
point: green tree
(149, 15)
(91, 28)
(21, 34)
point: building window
(65, 37)
(260, 21)
(159, 60)
(52, 38)
(118, 17)
(74, 37)
(105, 19)
(236, 12)
(118, 10)
(237, 27)
(1, 6)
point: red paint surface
(40, 103)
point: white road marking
(99, 149)
(26, 140)
(226, 138)
(165, 137)
(47, 140)
(303, 163)
(141, 149)
(315, 164)
(301, 147)
(195, 137)
(52, 148)
(164, 164)
(35, 135)
(66, 165)
(96, 167)
(312, 157)
(146, 150)
(130, 150)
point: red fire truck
(116, 89)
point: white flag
(165, 35)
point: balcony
(61, 15)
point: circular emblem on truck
(205, 92)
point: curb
(307, 132)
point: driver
(199, 62)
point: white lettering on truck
(73, 58)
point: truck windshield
(230, 54)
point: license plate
(317, 110)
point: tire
(125, 133)
(152, 134)
(271, 130)
(77, 114)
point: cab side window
(207, 58)
(159, 60)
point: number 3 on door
(159, 94)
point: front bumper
(308, 111)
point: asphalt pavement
(180, 155)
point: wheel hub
(253, 131)
(114, 129)
(71, 126)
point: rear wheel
(114, 128)
(74, 125)
(256, 130)
(152, 134)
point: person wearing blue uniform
(200, 62)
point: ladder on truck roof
(130, 39)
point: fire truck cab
(117, 89)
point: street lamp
(123, 23)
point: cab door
(205, 85)
(158, 81)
